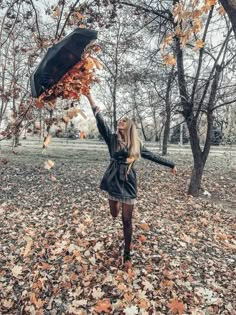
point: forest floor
(60, 252)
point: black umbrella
(59, 59)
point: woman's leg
(127, 211)
(114, 208)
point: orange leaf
(38, 303)
(103, 306)
(199, 44)
(176, 306)
(89, 63)
(66, 119)
(47, 141)
(169, 60)
(98, 64)
(39, 104)
(210, 2)
(142, 238)
(73, 276)
(79, 15)
(145, 227)
(128, 297)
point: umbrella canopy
(59, 59)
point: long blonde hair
(132, 140)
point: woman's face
(122, 124)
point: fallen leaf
(28, 247)
(38, 303)
(145, 227)
(97, 293)
(103, 306)
(16, 271)
(132, 310)
(176, 307)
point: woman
(119, 179)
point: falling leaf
(176, 306)
(210, 2)
(47, 141)
(16, 271)
(66, 119)
(98, 64)
(103, 306)
(48, 164)
(79, 15)
(82, 114)
(132, 310)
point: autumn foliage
(188, 24)
(74, 83)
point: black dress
(119, 179)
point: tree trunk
(198, 167)
(166, 134)
(196, 177)
(168, 113)
(230, 8)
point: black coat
(117, 180)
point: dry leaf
(169, 60)
(176, 306)
(82, 114)
(66, 119)
(38, 303)
(145, 227)
(8, 303)
(48, 164)
(16, 271)
(47, 141)
(210, 2)
(97, 293)
(28, 247)
(199, 44)
(103, 306)
(132, 310)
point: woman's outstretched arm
(103, 128)
(146, 154)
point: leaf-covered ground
(61, 251)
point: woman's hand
(174, 170)
(90, 99)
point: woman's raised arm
(103, 128)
